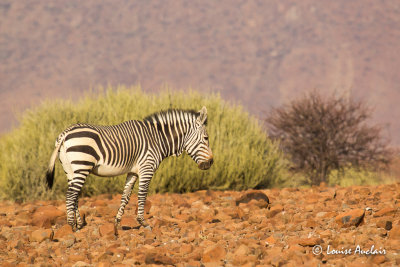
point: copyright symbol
(317, 249)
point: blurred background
(260, 54)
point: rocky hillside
(259, 53)
(354, 226)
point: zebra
(134, 147)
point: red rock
(271, 240)
(313, 198)
(186, 249)
(106, 229)
(41, 235)
(104, 257)
(244, 233)
(253, 195)
(23, 218)
(385, 222)
(242, 250)
(213, 253)
(193, 263)
(129, 221)
(5, 223)
(222, 216)
(243, 260)
(62, 232)
(385, 212)
(156, 258)
(378, 259)
(325, 234)
(45, 216)
(350, 218)
(393, 244)
(296, 247)
(274, 210)
(277, 261)
(310, 242)
(68, 240)
(212, 264)
(18, 244)
(394, 233)
(311, 223)
(98, 203)
(238, 213)
(81, 264)
(77, 257)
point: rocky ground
(354, 226)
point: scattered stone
(106, 229)
(242, 250)
(213, 253)
(350, 218)
(186, 249)
(156, 258)
(248, 196)
(62, 232)
(384, 223)
(46, 216)
(68, 240)
(274, 211)
(394, 233)
(309, 242)
(207, 228)
(41, 235)
(378, 259)
(81, 264)
(385, 212)
(270, 240)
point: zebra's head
(196, 143)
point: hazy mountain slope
(261, 53)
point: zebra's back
(110, 150)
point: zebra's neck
(170, 129)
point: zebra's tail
(51, 167)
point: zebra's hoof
(74, 228)
(115, 230)
(83, 223)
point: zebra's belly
(104, 170)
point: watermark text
(358, 250)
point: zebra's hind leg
(72, 209)
(144, 182)
(73, 217)
(129, 184)
(80, 223)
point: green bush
(243, 155)
(354, 176)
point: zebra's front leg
(144, 182)
(129, 184)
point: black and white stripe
(133, 147)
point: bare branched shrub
(324, 134)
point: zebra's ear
(203, 115)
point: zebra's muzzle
(205, 165)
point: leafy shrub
(243, 155)
(352, 176)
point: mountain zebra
(133, 147)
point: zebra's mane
(177, 112)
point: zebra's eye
(206, 138)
